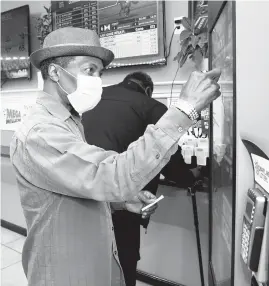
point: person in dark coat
(119, 119)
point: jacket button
(115, 252)
(112, 228)
(157, 156)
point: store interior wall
(159, 74)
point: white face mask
(88, 93)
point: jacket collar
(54, 106)
(132, 86)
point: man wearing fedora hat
(69, 188)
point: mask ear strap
(58, 80)
(62, 88)
(67, 71)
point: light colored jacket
(66, 186)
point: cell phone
(152, 204)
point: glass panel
(223, 148)
(168, 249)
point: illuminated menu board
(133, 30)
(81, 14)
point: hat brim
(103, 54)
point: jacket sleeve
(176, 170)
(58, 161)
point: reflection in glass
(223, 148)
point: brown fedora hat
(71, 41)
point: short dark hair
(61, 61)
(142, 77)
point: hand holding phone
(152, 204)
(143, 198)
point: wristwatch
(188, 109)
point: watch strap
(188, 109)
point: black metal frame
(192, 192)
(5, 151)
(190, 9)
(215, 10)
(154, 280)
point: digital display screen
(133, 30)
(131, 36)
(15, 61)
(81, 14)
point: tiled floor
(11, 267)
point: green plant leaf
(185, 56)
(202, 40)
(47, 9)
(194, 41)
(203, 37)
(177, 57)
(201, 45)
(185, 45)
(189, 54)
(185, 42)
(186, 23)
(196, 31)
(184, 35)
(205, 50)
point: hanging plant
(193, 40)
(44, 25)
